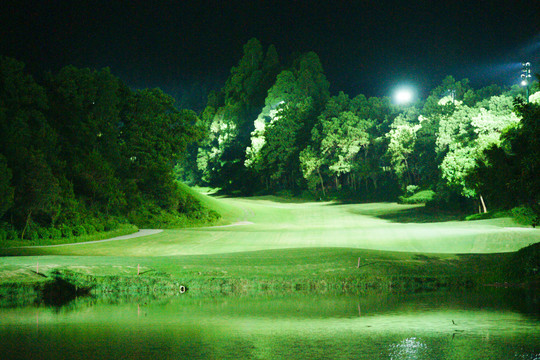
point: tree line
(275, 128)
(80, 152)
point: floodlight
(403, 96)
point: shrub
(12, 234)
(32, 234)
(44, 233)
(524, 215)
(99, 226)
(285, 193)
(90, 229)
(411, 189)
(110, 224)
(55, 233)
(67, 232)
(420, 197)
(79, 230)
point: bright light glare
(403, 96)
(524, 83)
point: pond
(492, 324)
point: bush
(285, 194)
(67, 232)
(99, 226)
(187, 204)
(420, 197)
(55, 233)
(7, 232)
(525, 262)
(110, 224)
(524, 215)
(411, 189)
(308, 195)
(79, 230)
(488, 215)
(12, 234)
(44, 233)
(90, 229)
(32, 234)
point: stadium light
(403, 96)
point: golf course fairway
(265, 238)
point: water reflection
(432, 326)
(409, 349)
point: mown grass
(286, 247)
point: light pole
(526, 77)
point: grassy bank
(320, 270)
(276, 246)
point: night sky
(366, 47)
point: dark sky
(365, 46)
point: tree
(6, 190)
(39, 190)
(286, 121)
(402, 138)
(155, 136)
(343, 138)
(27, 145)
(509, 171)
(466, 134)
(222, 155)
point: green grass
(281, 245)
(271, 225)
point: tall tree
(222, 155)
(292, 105)
(28, 144)
(466, 134)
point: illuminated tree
(464, 136)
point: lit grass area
(272, 244)
(266, 223)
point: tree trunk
(322, 183)
(374, 179)
(483, 204)
(408, 171)
(26, 225)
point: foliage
(466, 133)
(510, 173)
(228, 118)
(6, 190)
(420, 197)
(81, 152)
(81, 145)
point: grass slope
(299, 244)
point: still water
(499, 324)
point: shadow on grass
(272, 198)
(412, 215)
